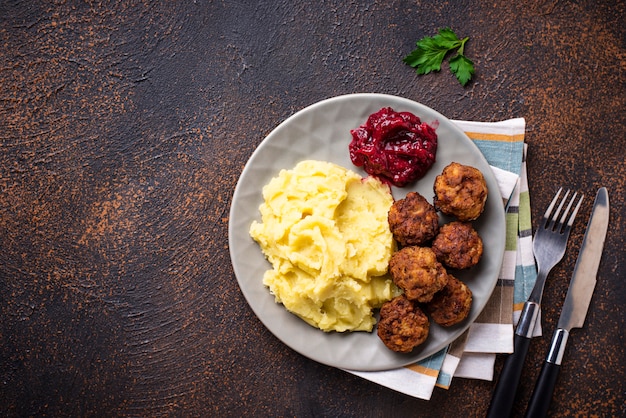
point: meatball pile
(427, 250)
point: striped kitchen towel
(473, 354)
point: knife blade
(576, 303)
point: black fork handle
(503, 396)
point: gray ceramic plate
(322, 131)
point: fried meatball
(458, 245)
(402, 325)
(413, 220)
(417, 272)
(460, 191)
(452, 304)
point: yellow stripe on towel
(482, 136)
(423, 370)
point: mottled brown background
(124, 127)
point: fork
(549, 247)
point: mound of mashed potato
(324, 230)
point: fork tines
(549, 223)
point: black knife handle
(504, 394)
(542, 394)
(544, 388)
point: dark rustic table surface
(124, 127)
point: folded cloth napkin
(473, 354)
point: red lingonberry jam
(396, 147)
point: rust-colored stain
(124, 127)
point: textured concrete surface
(124, 128)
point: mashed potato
(324, 230)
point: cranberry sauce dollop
(396, 147)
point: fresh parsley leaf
(431, 51)
(462, 67)
(426, 60)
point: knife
(576, 303)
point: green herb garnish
(431, 51)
